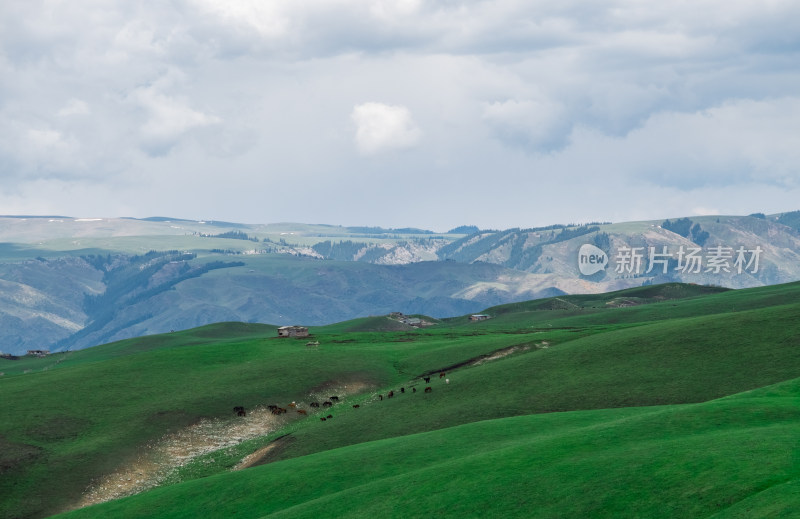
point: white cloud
(735, 142)
(43, 141)
(28, 152)
(392, 10)
(168, 119)
(705, 211)
(74, 107)
(381, 127)
(536, 125)
(270, 19)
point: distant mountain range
(68, 283)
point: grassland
(665, 401)
(672, 461)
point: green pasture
(685, 405)
(718, 458)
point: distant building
(39, 353)
(415, 322)
(293, 331)
(478, 317)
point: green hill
(682, 405)
(732, 457)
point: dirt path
(499, 354)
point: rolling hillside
(672, 461)
(661, 401)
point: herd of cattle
(277, 410)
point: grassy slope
(112, 406)
(673, 461)
(112, 399)
(660, 363)
(211, 334)
(84, 416)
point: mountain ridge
(53, 269)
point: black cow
(272, 407)
(380, 396)
(323, 419)
(427, 380)
(334, 398)
(330, 416)
(402, 390)
(390, 395)
(413, 390)
(314, 404)
(239, 410)
(356, 406)
(327, 404)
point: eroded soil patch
(159, 460)
(499, 354)
(260, 456)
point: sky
(407, 113)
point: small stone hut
(293, 331)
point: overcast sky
(400, 113)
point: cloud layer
(498, 113)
